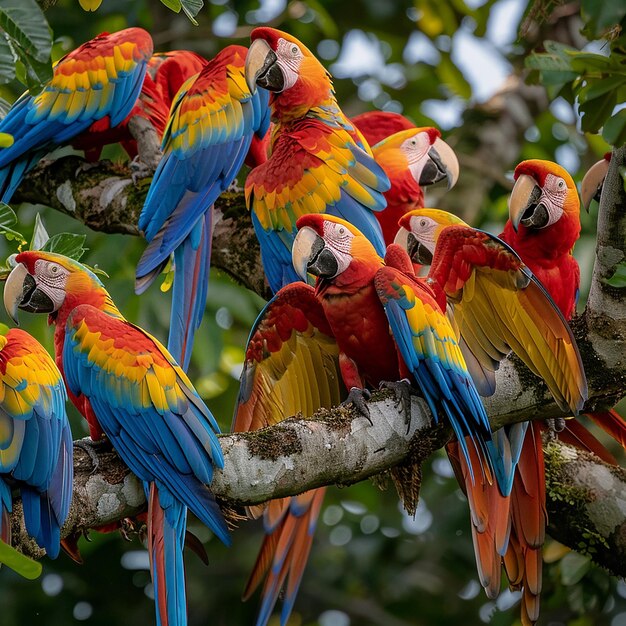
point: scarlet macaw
(491, 523)
(212, 124)
(36, 454)
(166, 73)
(411, 157)
(126, 384)
(316, 164)
(340, 331)
(101, 78)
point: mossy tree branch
(339, 447)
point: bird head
(326, 246)
(42, 282)
(423, 152)
(420, 230)
(591, 186)
(283, 65)
(542, 194)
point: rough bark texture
(342, 448)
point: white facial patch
(424, 229)
(51, 279)
(553, 197)
(339, 239)
(289, 57)
(416, 149)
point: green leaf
(33, 73)
(173, 5)
(596, 88)
(26, 24)
(18, 562)
(603, 13)
(595, 112)
(68, 244)
(619, 277)
(192, 8)
(7, 220)
(614, 130)
(40, 235)
(573, 567)
(7, 61)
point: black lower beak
(434, 169)
(270, 75)
(33, 299)
(322, 263)
(535, 216)
(418, 252)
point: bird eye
(413, 142)
(54, 269)
(295, 50)
(342, 230)
(423, 222)
(561, 184)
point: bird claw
(357, 397)
(89, 447)
(556, 424)
(139, 169)
(129, 527)
(403, 390)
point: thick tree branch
(339, 447)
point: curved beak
(311, 256)
(401, 237)
(524, 204)
(21, 292)
(262, 68)
(14, 289)
(591, 187)
(442, 163)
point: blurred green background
(455, 64)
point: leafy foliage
(27, 35)
(19, 563)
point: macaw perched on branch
(101, 78)
(166, 73)
(36, 454)
(319, 162)
(411, 157)
(126, 384)
(366, 323)
(491, 523)
(212, 124)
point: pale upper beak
(14, 290)
(524, 202)
(443, 164)
(401, 237)
(261, 67)
(592, 182)
(306, 247)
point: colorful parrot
(366, 322)
(36, 454)
(319, 162)
(127, 385)
(166, 73)
(212, 124)
(103, 77)
(411, 157)
(491, 523)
